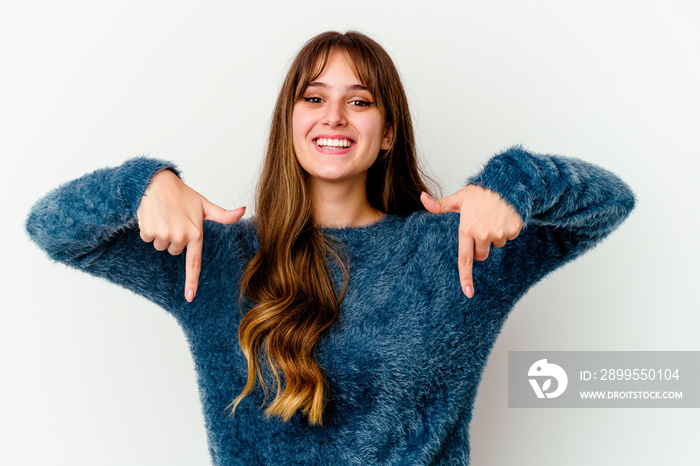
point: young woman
(351, 304)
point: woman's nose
(334, 114)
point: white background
(91, 374)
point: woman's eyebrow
(352, 87)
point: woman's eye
(361, 103)
(312, 100)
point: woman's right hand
(171, 215)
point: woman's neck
(337, 205)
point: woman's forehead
(339, 68)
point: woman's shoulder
(435, 234)
(429, 223)
(241, 237)
(431, 229)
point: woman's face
(337, 128)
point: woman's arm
(92, 224)
(557, 207)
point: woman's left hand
(485, 218)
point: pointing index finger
(465, 261)
(193, 265)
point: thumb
(220, 215)
(439, 206)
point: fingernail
(189, 296)
(468, 291)
(429, 196)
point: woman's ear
(388, 138)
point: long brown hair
(288, 283)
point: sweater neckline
(370, 227)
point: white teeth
(326, 142)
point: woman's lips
(333, 145)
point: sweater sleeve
(567, 207)
(90, 224)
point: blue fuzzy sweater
(404, 359)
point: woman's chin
(338, 176)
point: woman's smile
(336, 145)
